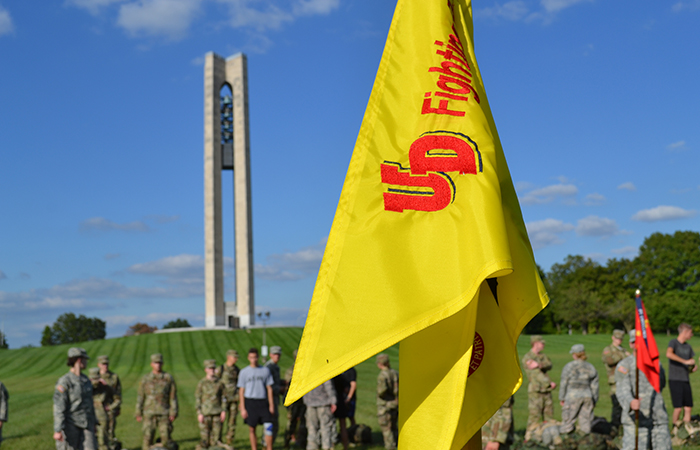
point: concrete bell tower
(227, 147)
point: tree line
(594, 298)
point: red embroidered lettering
(418, 193)
(441, 109)
(439, 153)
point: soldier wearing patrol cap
(73, 411)
(578, 392)
(539, 389)
(653, 418)
(613, 354)
(156, 404)
(113, 407)
(228, 372)
(101, 397)
(275, 354)
(388, 401)
(210, 403)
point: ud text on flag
(645, 344)
(428, 245)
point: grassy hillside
(30, 376)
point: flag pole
(636, 392)
(475, 442)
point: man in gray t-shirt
(255, 396)
(681, 362)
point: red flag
(647, 352)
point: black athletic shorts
(258, 412)
(681, 394)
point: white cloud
(663, 213)
(594, 199)
(173, 19)
(554, 6)
(629, 251)
(92, 6)
(181, 268)
(676, 146)
(85, 293)
(514, 10)
(550, 193)
(547, 232)
(691, 5)
(596, 226)
(313, 7)
(6, 25)
(102, 224)
(169, 18)
(292, 265)
(243, 15)
(629, 186)
(518, 10)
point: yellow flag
(428, 244)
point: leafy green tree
(177, 323)
(140, 328)
(670, 263)
(3, 341)
(69, 329)
(47, 337)
(668, 271)
(543, 322)
(616, 286)
(573, 292)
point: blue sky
(101, 140)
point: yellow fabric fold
(427, 214)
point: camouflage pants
(77, 439)
(540, 409)
(101, 428)
(231, 416)
(388, 419)
(111, 426)
(319, 421)
(164, 427)
(578, 408)
(658, 439)
(210, 431)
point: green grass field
(30, 376)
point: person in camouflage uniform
(388, 401)
(228, 372)
(578, 392)
(156, 404)
(210, 403)
(101, 396)
(320, 405)
(539, 389)
(613, 354)
(113, 408)
(275, 355)
(73, 411)
(296, 412)
(4, 397)
(653, 418)
(499, 431)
